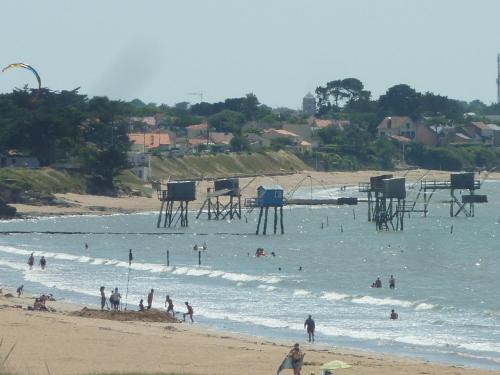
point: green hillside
(221, 165)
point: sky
(160, 51)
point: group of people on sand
(115, 300)
(31, 261)
(378, 283)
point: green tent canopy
(334, 365)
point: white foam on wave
(301, 292)
(149, 267)
(368, 300)
(374, 301)
(334, 296)
(268, 288)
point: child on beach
(189, 312)
(170, 304)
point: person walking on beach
(189, 312)
(150, 298)
(392, 282)
(103, 298)
(31, 261)
(297, 356)
(20, 291)
(311, 326)
(43, 262)
(170, 306)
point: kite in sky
(29, 67)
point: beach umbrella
(334, 365)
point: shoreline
(74, 345)
(84, 204)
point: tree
(227, 121)
(335, 94)
(239, 143)
(401, 100)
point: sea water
(446, 269)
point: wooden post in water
(199, 257)
(265, 220)
(168, 258)
(260, 218)
(275, 219)
(281, 220)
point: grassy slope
(49, 181)
(221, 165)
(43, 180)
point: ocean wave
(301, 292)
(374, 301)
(149, 267)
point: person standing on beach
(392, 282)
(189, 312)
(170, 304)
(311, 326)
(297, 356)
(43, 262)
(150, 298)
(103, 297)
(31, 261)
(20, 291)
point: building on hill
(197, 130)
(480, 131)
(281, 133)
(142, 142)
(309, 104)
(303, 130)
(144, 121)
(257, 142)
(404, 126)
(15, 160)
(221, 138)
(495, 129)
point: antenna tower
(498, 78)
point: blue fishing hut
(268, 196)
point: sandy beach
(92, 204)
(67, 344)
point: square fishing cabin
(270, 196)
(177, 191)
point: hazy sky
(159, 51)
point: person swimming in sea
(394, 315)
(31, 261)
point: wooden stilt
(260, 218)
(265, 221)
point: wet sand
(68, 344)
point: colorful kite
(29, 67)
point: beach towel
(287, 364)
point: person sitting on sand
(394, 315)
(19, 291)
(43, 262)
(31, 261)
(189, 312)
(141, 305)
(170, 304)
(150, 298)
(296, 355)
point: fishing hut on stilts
(463, 183)
(223, 201)
(268, 197)
(386, 201)
(174, 202)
